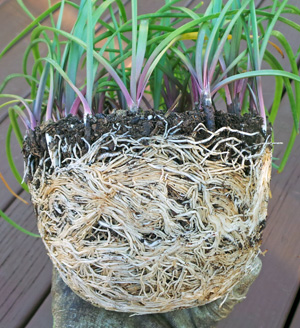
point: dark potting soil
(142, 124)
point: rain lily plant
(174, 59)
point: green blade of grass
(141, 46)
(158, 74)
(186, 61)
(121, 52)
(14, 122)
(17, 226)
(223, 40)
(37, 105)
(157, 83)
(14, 76)
(213, 38)
(92, 18)
(293, 63)
(26, 57)
(255, 42)
(75, 53)
(99, 11)
(167, 42)
(87, 109)
(254, 74)
(101, 59)
(29, 28)
(25, 9)
(233, 64)
(288, 150)
(10, 160)
(32, 122)
(257, 62)
(89, 55)
(133, 77)
(270, 29)
(203, 32)
(272, 61)
(284, 20)
(235, 41)
(188, 11)
(50, 96)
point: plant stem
(209, 117)
(208, 109)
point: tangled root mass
(156, 223)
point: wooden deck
(25, 270)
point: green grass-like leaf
(10, 158)
(295, 108)
(17, 226)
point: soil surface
(142, 124)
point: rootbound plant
(151, 182)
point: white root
(154, 228)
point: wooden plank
(43, 317)
(25, 270)
(271, 296)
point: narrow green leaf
(203, 32)
(37, 107)
(75, 53)
(288, 150)
(14, 122)
(87, 109)
(121, 52)
(186, 61)
(29, 28)
(25, 9)
(101, 60)
(212, 39)
(255, 74)
(15, 225)
(10, 159)
(89, 55)
(141, 46)
(270, 29)
(272, 61)
(13, 76)
(292, 61)
(32, 122)
(133, 77)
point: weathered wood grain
(43, 316)
(25, 270)
(271, 296)
(296, 319)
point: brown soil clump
(72, 132)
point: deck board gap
(35, 309)
(293, 310)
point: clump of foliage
(175, 59)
